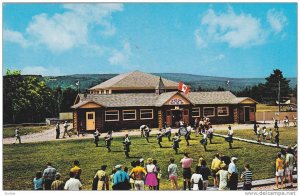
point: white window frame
(208, 108)
(149, 111)
(196, 108)
(227, 109)
(112, 115)
(128, 111)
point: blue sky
(216, 39)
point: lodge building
(135, 98)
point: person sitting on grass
(279, 171)
(38, 181)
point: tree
(275, 83)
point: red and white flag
(184, 88)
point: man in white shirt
(73, 184)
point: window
(90, 116)
(112, 115)
(146, 114)
(252, 109)
(195, 112)
(208, 111)
(129, 114)
(223, 111)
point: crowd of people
(147, 175)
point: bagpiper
(127, 144)
(108, 138)
(176, 141)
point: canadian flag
(184, 88)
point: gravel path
(49, 135)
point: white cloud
(40, 70)
(237, 30)
(277, 20)
(64, 31)
(15, 37)
(121, 57)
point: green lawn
(288, 135)
(20, 162)
(10, 131)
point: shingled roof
(135, 80)
(152, 99)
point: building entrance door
(247, 114)
(90, 121)
(176, 117)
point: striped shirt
(57, 185)
(247, 176)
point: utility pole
(279, 95)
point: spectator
(205, 172)
(49, 176)
(276, 138)
(224, 177)
(138, 173)
(197, 179)
(173, 174)
(279, 171)
(289, 162)
(215, 167)
(120, 178)
(233, 174)
(73, 184)
(186, 163)
(57, 184)
(246, 176)
(158, 173)
(151, 179)
(38, 181)
(103, 181)
(57, 129)
(76, 170)
(18, 135)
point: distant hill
(195, 81)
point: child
(271, 135)
(264, 134)
(38, 181)
(258, 134)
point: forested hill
(195, 81)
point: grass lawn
(265, 108)
(288, 135)
(10, 131)
(20, 162)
